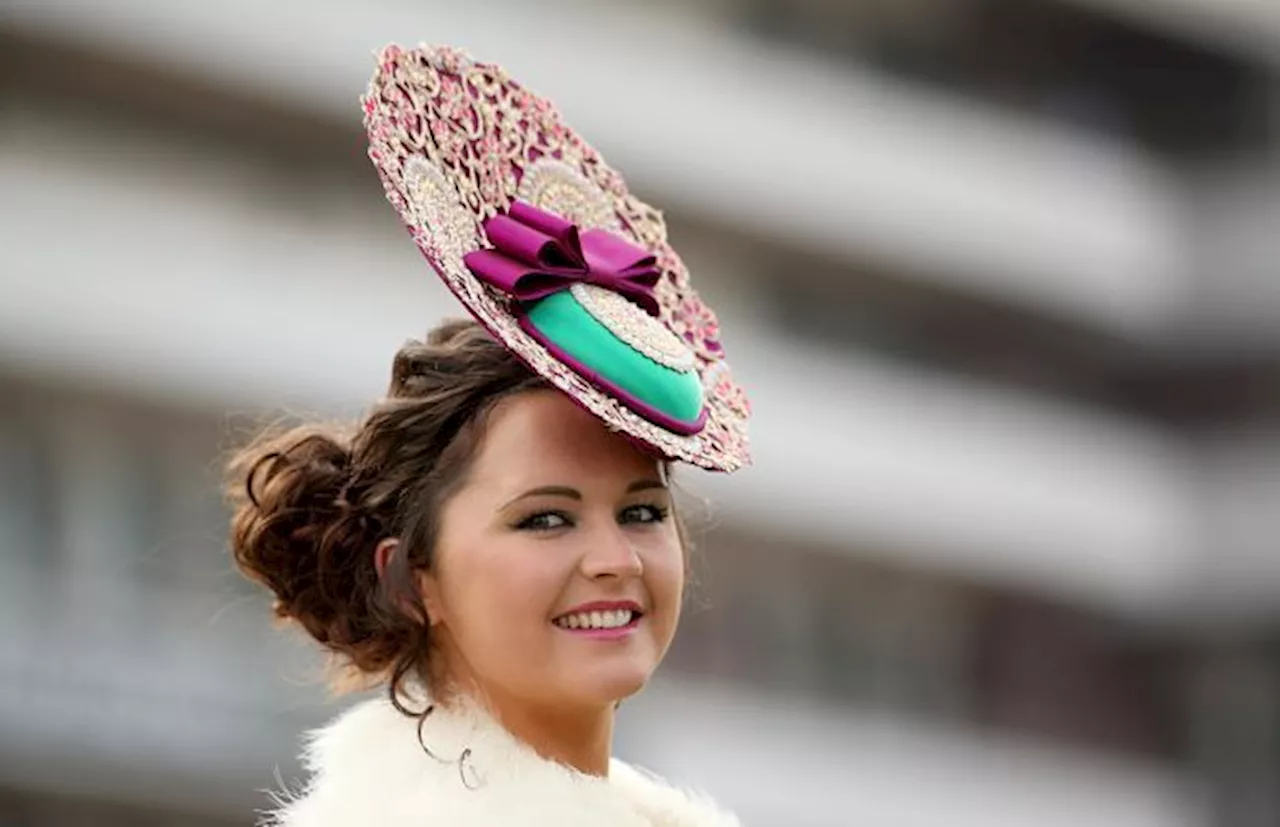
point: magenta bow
(536, 253)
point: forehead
(540, 436)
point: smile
(598, 620)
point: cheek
(664, 573)
(507, 591)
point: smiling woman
(496, 542)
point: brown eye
(643, 514)
(544, 521)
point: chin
(610, 686)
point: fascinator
(544, 245)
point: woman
(496, 542)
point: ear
(428, 586)
(382, 554)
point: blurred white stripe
(804, 765)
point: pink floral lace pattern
(452, 139)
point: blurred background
(1001, 276)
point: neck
(582, 739)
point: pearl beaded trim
(556, 187)
(438, 210)
(636, 328)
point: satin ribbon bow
(536, 253)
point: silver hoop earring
(467, 773)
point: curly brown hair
(311, 504)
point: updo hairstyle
(311, 504)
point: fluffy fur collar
(368, 768)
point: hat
(542, 242)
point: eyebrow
(645, 485)
(574, 494)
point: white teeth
(596, 620)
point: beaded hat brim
(456, 143)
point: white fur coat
(369, 770)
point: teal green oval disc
(561, 320)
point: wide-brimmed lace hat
(541, 241)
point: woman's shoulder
(369, 767)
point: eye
(544, 521)
(643, 514)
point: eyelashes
(544, 521)
(652, 513)
(553, 520)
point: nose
(611, 554)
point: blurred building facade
(1000, 275)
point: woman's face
(559, 572)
